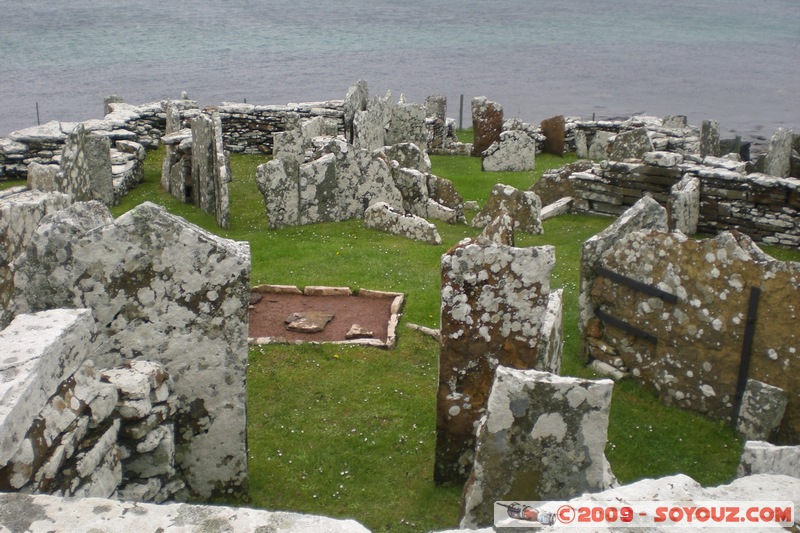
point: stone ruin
(543, 438)
(196, 169)
(163, 337)
(318, 176)
(524, 208)
(497, 309)
(705, 323)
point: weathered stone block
(524, 207)
(543, 438)
(163, 290)
(407, 124)
(760, 457)
(210, 168)
(487, 123)
(383, 217)
(500, 230)
(632, 144)
(779, 153)
(37, 352)
(709, 138)
(761, 411)
(684, 205)
(514, 151)
(494, 307)
(86, 167)
(554, 132)
(598, 149)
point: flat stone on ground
(308, 321)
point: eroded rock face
(524, 207)
(514, 151)
(692, 355)
(487, 123)
(163, 290)
(543, 438)
(494, 309)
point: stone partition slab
(524, 207)
(37, 353)
(543, 438)
(21, 212)
(692, 358)
(494, 306)
(487, 123)
(514, 151)
(86, 167)
(383, 217)
(645, 214)
(42, 514)
(163, 290)
(684, 205)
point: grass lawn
(350, 431)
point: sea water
(734, 61)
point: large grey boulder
(543, 438)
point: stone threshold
(319, 290)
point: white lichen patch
(549, 425)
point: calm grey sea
(735, 61)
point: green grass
(350, 431)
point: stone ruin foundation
(165, 292)
(496, 310)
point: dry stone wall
(494, 312)
(160, 290)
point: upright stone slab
(515, 151)
(436, 119)
(210, 168)
(598, 148)
(760, 457)
(86, 167)
(487, 123)
(494, 305)
(684, 205)
(500, 230)
(524, 207)
(407, 124)
(779, 154)
(42, 177)
(21, 212)
(645, 214)
(709, 138)
(163, 290)
(354, 101)
(554, 132)
(762, 409)
(173, 122)
(369, 126)
(632, 144)
(543, 438)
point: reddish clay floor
(268, 316)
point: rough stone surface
(86, 167)
(631, 144)
(308, 321)
(369, 126)
(553, 131)
(524, 207)
(42, 514)
(514, 151)
(645, 214)
(487, 123)
(684, 205)
(494, 310)
(543, 438)
(407, 124)
(163, 290)
(383, 217)
(42, 177)
(21, 212)
(681, 488)
(689, 360)
(709, 138)
(761, 411)
(500, 230)
(36, 352)
(211, 172)
(354, 102)
(598, 149)
(409, 155)
(779, 154)
(555, 184)
(760, 457)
